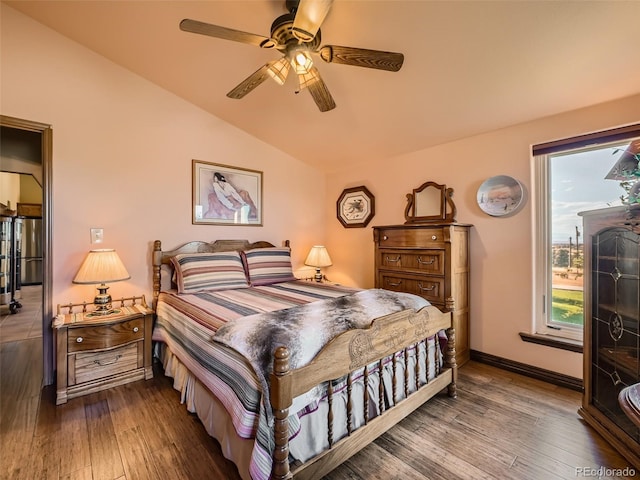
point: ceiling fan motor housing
(282, 33)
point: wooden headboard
(161, 257)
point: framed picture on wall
(226, 195)
(356, 207)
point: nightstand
(95, 352)
(324, 280)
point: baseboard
(554, 378)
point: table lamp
(318, 257)
(99, 267)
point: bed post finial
(281, 400)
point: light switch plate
(97, 235)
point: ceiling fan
(297, 35)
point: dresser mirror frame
(431, 202)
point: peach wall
(501, 248)
(122, 151)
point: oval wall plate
(500, 195)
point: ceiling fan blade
(309, 16)
(252, 81)
(194, 26)
(362, 57)
(317, 88)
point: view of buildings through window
(578, 181)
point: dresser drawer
(93, 366)
(419, 261)
(431, 288)
(100, 337)
(409, 237)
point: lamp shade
(101, 266)
(318, 257)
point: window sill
(553, 342)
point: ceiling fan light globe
(301, 61)
(279, 70)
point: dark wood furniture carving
(612, 325)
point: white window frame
(541, 223)
(542, 266)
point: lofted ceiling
(470, 66)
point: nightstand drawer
(93, 366)
(100, 337)
(421, 261)
(431, 288)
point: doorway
(24, 134)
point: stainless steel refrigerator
(31, 251)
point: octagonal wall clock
(356, 207)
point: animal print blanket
(306, 329)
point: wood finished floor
(501, 426)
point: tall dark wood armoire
(612, 323)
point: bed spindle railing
(380, 386)
(365, 399)
(416, 372)
(394, 380)
(330, 413)
(406, 371)
(436, 356)
(427, 358)
(281, 401)
(349, 404)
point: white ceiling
(470, 66)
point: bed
(292, 377)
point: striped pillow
(209, 271)
(269, 265)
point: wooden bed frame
(346, 353)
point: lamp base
(102, 301)
(318, 276)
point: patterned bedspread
(187, 323)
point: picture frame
(225, 195)
(356, 207)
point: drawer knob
(384, 237)
(434, 237)
(79, 339)
(394, 284)
(135, 329)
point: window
(585, 173)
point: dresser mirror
(430, 203)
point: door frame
(46, 135)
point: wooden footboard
(345, 354)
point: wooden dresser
(431, 261)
